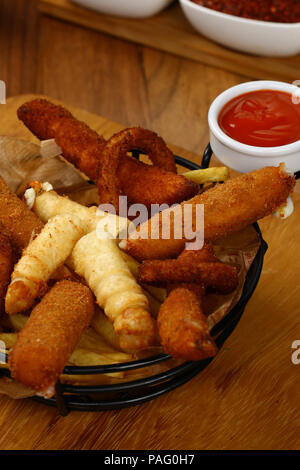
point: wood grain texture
(246, 399)
(169, 31)
(18, 45)
(129, 83)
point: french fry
(93, 379)
(85, 357)
(103, 326)
(208, 175)
(9, 339)
(94, 341)
(18, 321)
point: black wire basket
(120, 395)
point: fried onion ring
(116, 148)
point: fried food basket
(119, 395)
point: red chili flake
(279, 11)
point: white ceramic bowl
(126, 8)
(242, 157)
(255, 37)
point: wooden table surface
(248, 397)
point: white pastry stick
(48, 204)
(40, 259)
(100, 262)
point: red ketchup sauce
(263, 118)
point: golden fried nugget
(182, 326)
(50, 335)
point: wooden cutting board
(246, 399)
(169, 31)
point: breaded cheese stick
(100, 263)
(6, 266)
(46, 253)
(228, 208)
(20, 224)
(50, 335)
(49, 204)
(182, 326)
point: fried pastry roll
(49, 204)
(100, 263)
(50, 335)
(46, 253)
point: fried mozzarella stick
(20, 224)
(182, 326)
(191, 267)
(6, 266)
(49, 204)
(46, 253)
(228, 208)
(50, 335)
(83, 147)
(100, 263)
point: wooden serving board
(169, 31)
(246, 399)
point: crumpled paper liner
(238, 249)
(22, 162)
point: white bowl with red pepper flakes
(259, 37)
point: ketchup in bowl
(262, 118)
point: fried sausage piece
(50, 335)
(182, 326)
